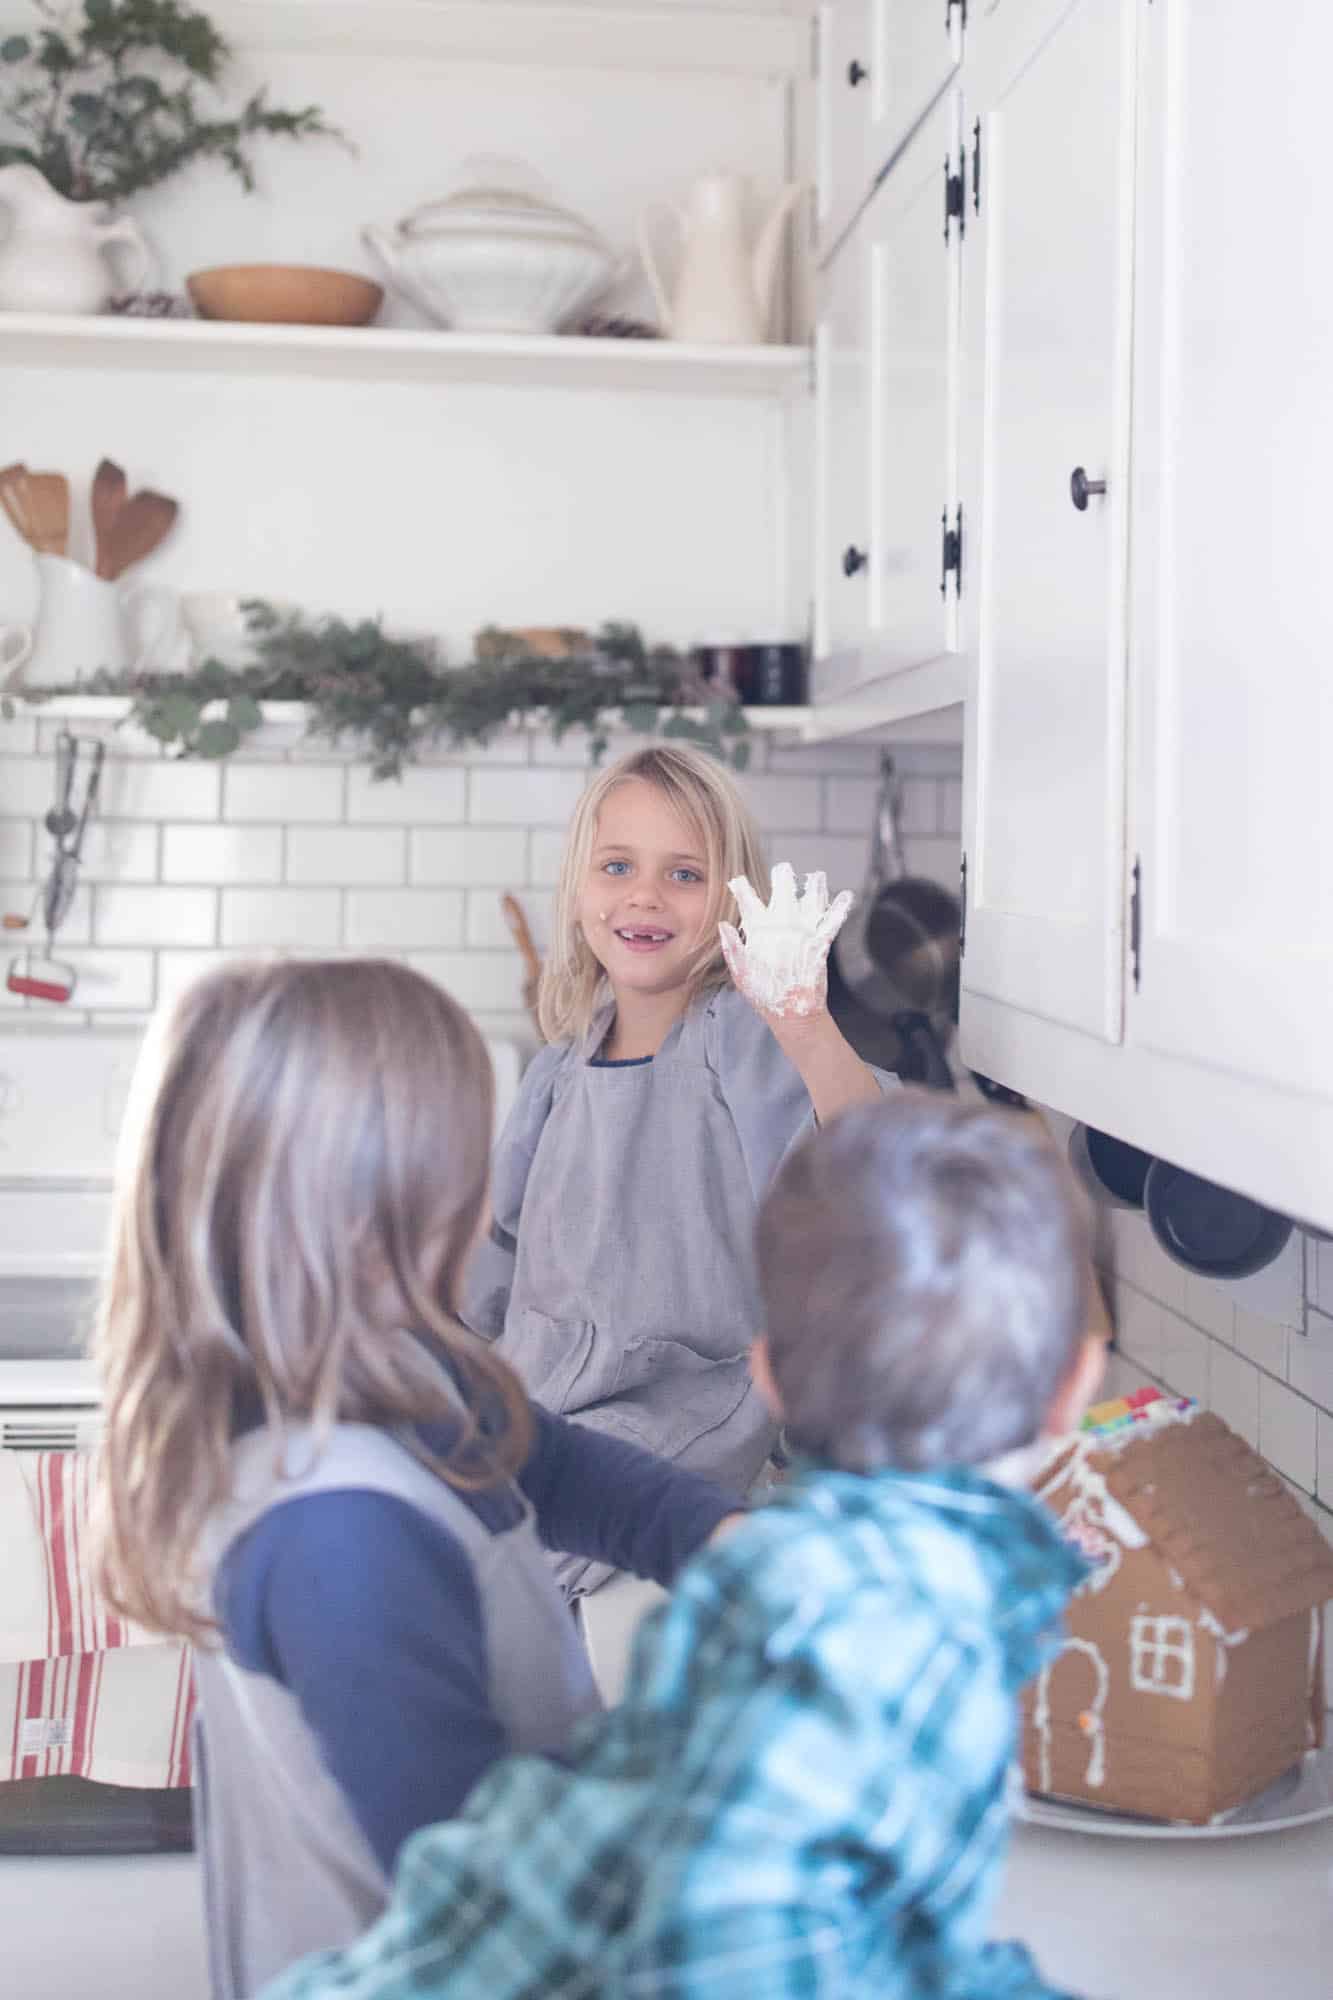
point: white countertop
(1128, 1919)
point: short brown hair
(923, 1265)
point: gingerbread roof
(1215, 1512)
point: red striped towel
(83, 1693)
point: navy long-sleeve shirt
(367, 1612)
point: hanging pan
(1210, 1229)
(1108, 1169)
(893, 985)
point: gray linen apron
(619, 1278)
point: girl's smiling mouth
(643, 937)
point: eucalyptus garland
(399, 696)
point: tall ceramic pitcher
(51, 255)
(725, 275)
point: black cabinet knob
(856, 72)
(853, 559)
(1080, 486)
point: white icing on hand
(779, 957)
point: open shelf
(393, 354)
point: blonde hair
(697, 787)
(302, 1178)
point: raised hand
(779, 957)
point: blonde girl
(311, 1468)
(617, 1277)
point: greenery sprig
(399, 696)
(106, 105)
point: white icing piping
(1222, 1640)
(1093, 1519)
(1090, 1720)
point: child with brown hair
(312, 1469)
(618, 1276)
(802, 1795)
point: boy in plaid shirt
(802, 1795)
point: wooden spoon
(522, 936)
(14, 498)
(108, 499)
(143, 523)
(48, 512)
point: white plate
(1302, 1796)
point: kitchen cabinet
(1045, 408)
(887, 374)
(1231, 812)
(882, 64)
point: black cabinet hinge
(962, 908)
(1136, 923)
(976, 168)
(953, 197)
(951, 552)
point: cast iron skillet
(1209, 1229)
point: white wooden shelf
(396, 354)
(826, 723)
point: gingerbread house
(1191, 1671)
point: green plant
(398, 695)
(106, 104)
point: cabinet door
(1046, 338)
(842, 396)
(882, 64)
(1232, 634)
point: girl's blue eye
(614, 867)
(686, 875)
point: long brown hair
(707, 798)
(302, 1177)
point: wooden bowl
(284, 294)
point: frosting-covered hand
(779, 957)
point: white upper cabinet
(887, 366)
(882, 64)
(1232, 808)
(1044, 431)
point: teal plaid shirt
(802, 1796)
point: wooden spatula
(14, 498)
(48, 512)
(143, 523)
(108, 499)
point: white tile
(858, 760)
(1324, 1457)
(1278, 1291)
(574, 750)
(949, 808)
(1321, 1278)
(120, 850)
(1138, 1327)
(346, 854)
(122, 738)
(222, 854)
(926, 760)
(792, 804)
(842, 857)
(21, 899)
(1310, 1360)
(288, 917)
(18, 735)
(155, 915)
(1287, 1432)
(523, 798)
(507, 746)
(1261, 1342)
(432, 795)
(486, 926)
(468, 856)
(178, 970)
(938, 860)
(16, 849)
(849, 805)
(1185, 1357)
(284, 793)
(26, 785)
(180, 790)
(1210, 1306)
(1122, 1378)
(918, 806)
(114, 980)
(1156, 1273)
(482, 981)
(399, 919)
(546, 853)
(1233, 1391)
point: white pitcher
(51, 258)
(724, 282)
(84, 622)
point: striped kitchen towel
(83, 1693)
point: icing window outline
(1161, 1656)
